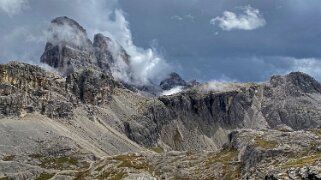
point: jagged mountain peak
(172, 81)
(303, 80)
(63, 20)
(296, 83)
(110, 54)
(69, 49)
(101, 41)
(66, 31)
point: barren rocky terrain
(76, 121)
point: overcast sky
(242, 40)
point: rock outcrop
(26, 88)
(292, 100)
(91, 87)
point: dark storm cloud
(289, 38)
(288, 41)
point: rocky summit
(81, 122)
(69, 49)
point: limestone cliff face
(193, 120)
(91, 87)
(26, 89)
(201, 120)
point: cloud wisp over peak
(250, 19)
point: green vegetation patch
(131, 161)
(63, 162)
(100, 168)
(45, 176)
(224, 156)
(316, 131)
(124, 162)
(81, 175)
(231, 170)
(260, 142)
(59, 162)
(303, 161)
(8, 158)
(158, 149)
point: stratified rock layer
(26, 89)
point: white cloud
(250, 19)
(66, 33)
(283, 65)
(146, 65)
(12, 7)
(185, 17)
(179, 18)
(172, 91)
(219, 86)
